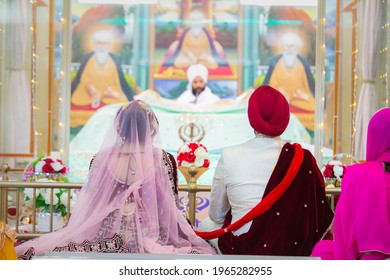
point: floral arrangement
(333, 173)
(193, 154)
(46, 169)
(60, 200)
(49, 165)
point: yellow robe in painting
(289, 81)
(101, 77)
(7, 237)
(195, 50)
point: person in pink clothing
(362, 218)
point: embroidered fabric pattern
(28, 254)
(101, 245)
(170, 167)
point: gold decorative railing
(7, 188)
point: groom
(268, 196)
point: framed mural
(287, 55)
(196, 32)
(101, 52)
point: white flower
(30, 192)
(57, 166)
(64, 198)
(201, 152)
(186, 163)
(338, 171)
(184, 149)
(39, 165)
(46, 196)
(199, 162)
(330, 186)
(335, 162)
(201, 155)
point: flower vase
(192, 172)
(329, 182)
(45, 177)
(43, 219)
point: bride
(126, 204)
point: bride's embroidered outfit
(126, 204)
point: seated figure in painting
(290, 74)
(198, 92)
(126, 204)
(99, 81)
(362, 218)
(196, 46)
(268, 196)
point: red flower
(206, 163)
(47, 168)
(63, 170)
(190, 157)
(193, 146)
(48, 160)
(180, 157)
(328, 173)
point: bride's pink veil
(126, 196)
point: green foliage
(41, 204)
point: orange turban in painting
(268, 111)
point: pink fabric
(378, 137)
(127, 194)
(268, 111)
(361, 224)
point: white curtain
(368, 102)
(16, 137)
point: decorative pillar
(320, 84)
(141, 45)
(250, 51)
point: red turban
(268, 111)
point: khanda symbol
(191, 132)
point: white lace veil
(127, 198)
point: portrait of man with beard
(197, 92)
(290, 73)
(100, 80)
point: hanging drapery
(368, 101)
(17, 94)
